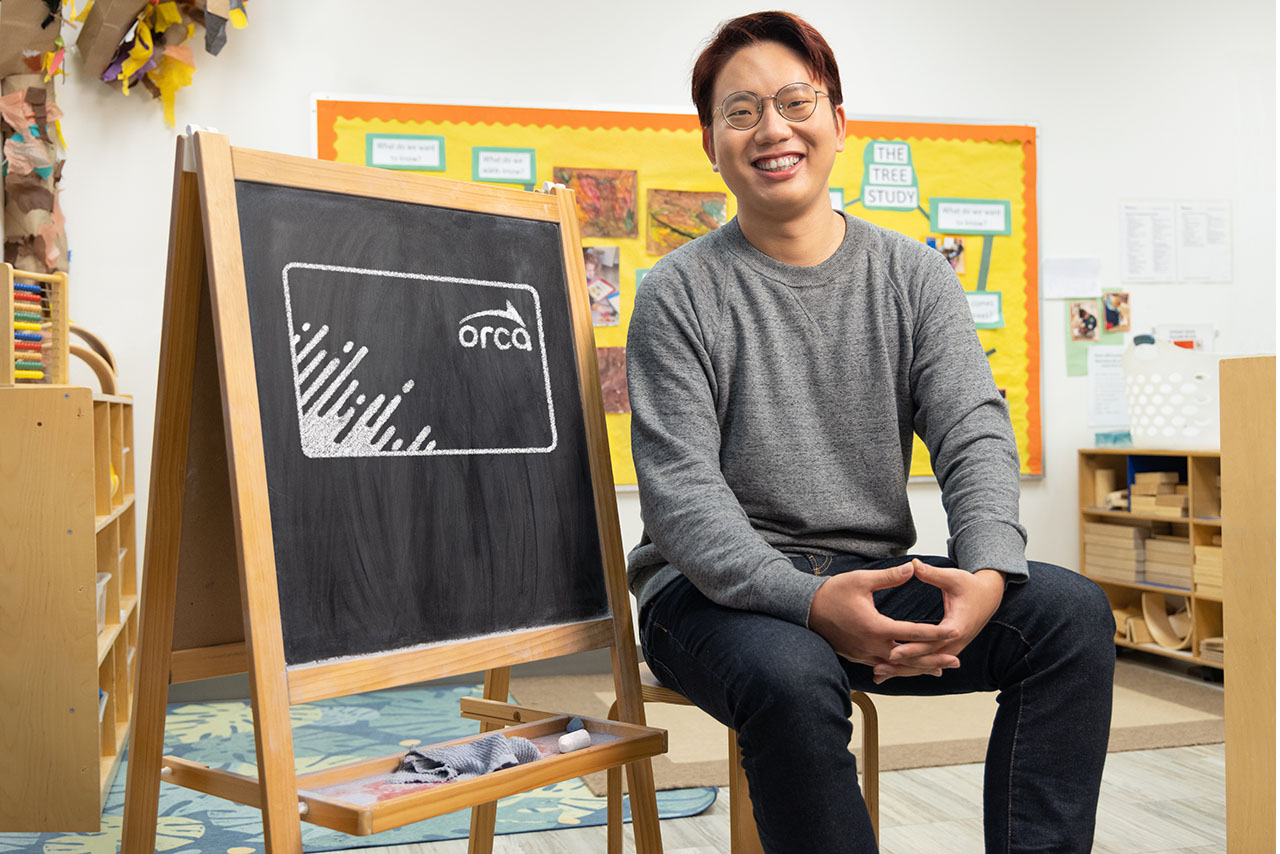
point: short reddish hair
(781, 27)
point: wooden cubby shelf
(68, 516)
(1172, 549)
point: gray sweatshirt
(772, 412)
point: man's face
(777, 169)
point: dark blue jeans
(1048, 650)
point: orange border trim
(328, 112)
(930, 130)
(1031, 256)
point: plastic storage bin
(1173, 395)
(103, 578)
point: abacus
(37, 342)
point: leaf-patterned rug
(326, 734)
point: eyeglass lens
(795, 102)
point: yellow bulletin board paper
(969, 189)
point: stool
(743, 838)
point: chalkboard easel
(312, 309)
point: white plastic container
(103, 578)
(1173, 395)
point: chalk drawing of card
(389, 363)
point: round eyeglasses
(795, 103)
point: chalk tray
(359, 799)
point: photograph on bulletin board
(644, 187)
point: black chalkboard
(425, 447)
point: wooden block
(1104, 483)
(1174, 564)
(1109, 549)
(1161, 567)
(1129, 533)
(1172, 570)
(1162, 546)
(1142, 502)
(1114, 561)
(1136, 630)
(1171, 512)
(1121, 617)
(1129, 576)
(1171, 500)
(1112, 565)
(1114, 576)
(1131, 544)
(1159, 573)
(1183, 489)
(1214, 644)
(1145, 477)
(1216, 539)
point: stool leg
(614, 810)
(870, 758)
(497, 686)
(613, 800)
(743, 836)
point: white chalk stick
(575, 740)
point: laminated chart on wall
(644, 187)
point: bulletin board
(645, 186)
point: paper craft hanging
(155, 53)
(34, 226)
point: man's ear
(840, 128)
(709, 146)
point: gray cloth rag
(464, 761)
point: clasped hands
(844, 613)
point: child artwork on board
(601, 263)
(1115, 311)
(677, 216)
(607, 200)
(1082, 318)
(613, 378)
(952, 248)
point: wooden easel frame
(205, 252)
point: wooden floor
(1170, 801)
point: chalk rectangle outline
(542, 343)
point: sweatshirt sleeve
(964, 422)
(690, 513)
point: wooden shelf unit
(64, 520)
(1200, 471)
(1248, 409)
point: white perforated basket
(1173, 396)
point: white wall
(1140, 99)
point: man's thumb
(893, 576)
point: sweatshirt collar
(835, 267)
